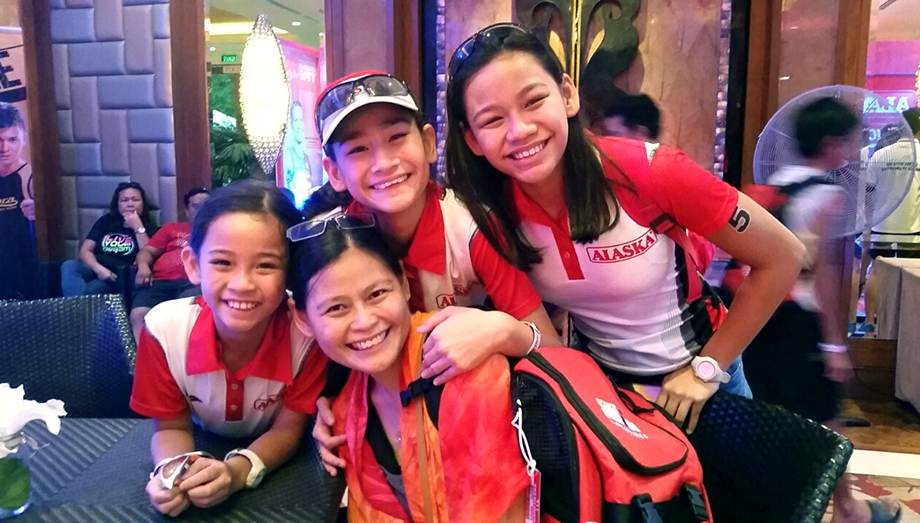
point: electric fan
(879, 172)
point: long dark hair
(314, 254)
(146, 217)
(246, 196)
(485, 190)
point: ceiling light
(264, 94)
(233, 28)
(295, 24)
(212, 49)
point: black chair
(761, 463)
(79, 350)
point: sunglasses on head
(492, 33)
(344, 94)
(344, 222)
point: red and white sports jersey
(179, 368)
(450, 263)
(626, 292)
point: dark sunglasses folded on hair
(491, 33)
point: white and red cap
(349, 93)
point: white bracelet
(536, 336)
(832, 347)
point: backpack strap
(643, 203)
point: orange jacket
(475, 470)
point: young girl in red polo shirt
(547, 197)
(230, 360)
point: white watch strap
(258, 467)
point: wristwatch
(142, 230)
(708, 370)
(258, 468)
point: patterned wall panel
(113, 92)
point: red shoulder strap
(639, 198)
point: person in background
(352, 296)
(160, 273)
(631, 116)
(111, 245)
(800, 357)
(18, 256)
(231, 360)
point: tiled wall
(113, 89)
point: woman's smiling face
(357, 310)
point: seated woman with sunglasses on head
(378, 156)
(447, 453)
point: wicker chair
(763, 463)
(79, 350)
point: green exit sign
(228, 58)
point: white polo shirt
(626, 291)
(449, 262)
(179, 369)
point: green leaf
(15, 483)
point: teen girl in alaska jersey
(545, 194)
(378, 152)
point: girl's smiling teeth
(241, 305)
(529, 152)
(370, 342)
(384, 185)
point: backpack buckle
(415, 389)
(697, 503)
(646, 509)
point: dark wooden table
(96, 470)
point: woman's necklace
(388, 408)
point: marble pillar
(678, 66)
(808, 49)
(368, 30)
(465, 17)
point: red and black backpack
(604, 453)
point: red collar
(529, 210)
(272, 360)
(427, 250)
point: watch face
(706, 370)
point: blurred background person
(160, 273)
(630, 116)
(800, 357)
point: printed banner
(300, 166)
(18, 255)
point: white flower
(16, 412)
